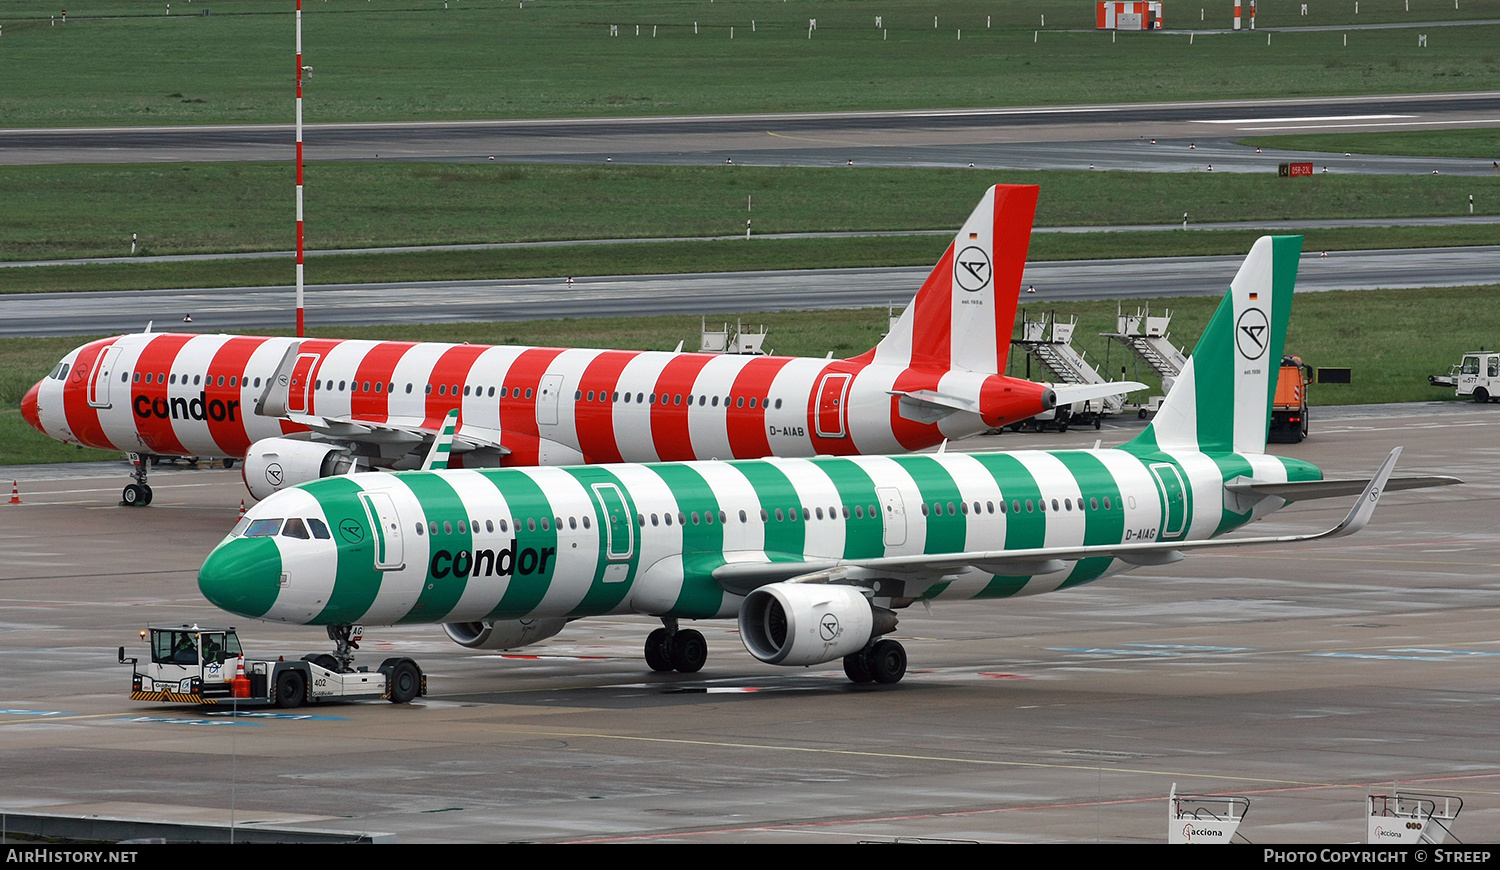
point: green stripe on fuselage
(441, 505)
(785, 540)
(535, 547)
(948, 532)
(864, 538)
(356, 582)
(702, 540)
(1100, 526)
(603, 597)
(1024, 530)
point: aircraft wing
(397, 431)
(923, 570)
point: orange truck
(1289, 409)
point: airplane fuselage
(196, 395)
(469, 545)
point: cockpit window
(295, 528)
(319, 530)
(60, 372)
(263, 528)
(239, 527)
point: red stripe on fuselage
(909, 433)
(83, 421)
(449, 374)
(832, 446)
(377, 367)
(594, 420)
(154, 427)
(670, 431)
(748, 438)
(222, 405)
(518, 432)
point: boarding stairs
(1050, 342)
(1408, 818)
(1146, 336)
(737, 342)
(1202, 819)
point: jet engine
(809, 623)
(273, 464)
(507, 634)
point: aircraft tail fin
(442, 444)
(1222, 400)
(963, 316)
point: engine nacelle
(805, 623)
(508, 634)
(273, 464)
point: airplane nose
(30, 412)
(242, 576)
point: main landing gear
(883, 661)
(137, 494)
(673, 649)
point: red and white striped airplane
(299, 409)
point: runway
(248, 309)
(1304, 679)
(1045, 137)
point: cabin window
(447, 527)
(681, 518)
(466, 389)
(779, 515)
(585, 521)
(859, 512)
(1106, 502)
(531, 524)
(752, 401)
(504, 527)
(666, 518)
(489, 526)
(765, 516)
(528, 392)
(695, 518)
(379, 387)
(463, 528)
(627, 398)
(419, 530)
(743, 519)
(654, 519)
(702, 400)
(677, 399)
(137, 377)
(408, 389)
(778, 404)
(545, 527)
(433, 527)
(572, 522)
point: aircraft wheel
(405, 682)
(689, 652)
(1098, 422)
(291, 690)
(133, 496)
(887, 662)
(1062, 427)
(658, 658)
(148, 495)
(857, 668)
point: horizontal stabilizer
(1308, 490)
(1067, 394)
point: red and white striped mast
(299, 169)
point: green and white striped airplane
(814, 556)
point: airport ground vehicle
(1478, 376)
(1289, 407)
(194, 665)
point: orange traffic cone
(242, 508)
(239, 687)
(15, 492)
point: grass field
(650, 258)
(1370, 331)
(1481, 144)
(122, 62)
(92, 209)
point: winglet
(437, 457)
(1363, 509)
